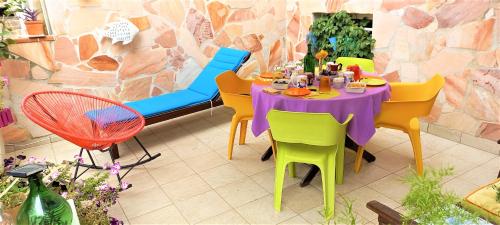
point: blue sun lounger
(200, 95)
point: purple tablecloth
(364, 107)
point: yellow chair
(408, 102)
(366, 65)
(235, 93)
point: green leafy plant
(346, 216)
(352, 39)
(5, 41)
(11, 7)
(426, 203)
(497, 189)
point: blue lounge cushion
(110, 115)
(203, 88)
(225, 59)
(163, 103)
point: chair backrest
(229, 82)
(366, 65)
(225, 59)
(319, 129)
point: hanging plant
(352, 39)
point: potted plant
(34, 26)
(9, 8)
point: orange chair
(235, 93)
(408, 102)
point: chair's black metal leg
(77, 165)
(267, 154)
(309, 176)
(142, 146)
(115, 154)
(91, 158)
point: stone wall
(415, 40)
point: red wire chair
(91, 122)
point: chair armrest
(386, 215)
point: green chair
(312, 138)
(366, 65)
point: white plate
(355, 90)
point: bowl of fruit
(356, 87)
(280, 84)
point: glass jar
(324, 84)
(43, 206)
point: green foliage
(11, 7)
(428, 204)
(352, 39)
(347, 215)
(5, 42)
(497, 189)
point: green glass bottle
(309, 60)
(42, 206)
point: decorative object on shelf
(122, 30)
(42, 206)
(6, 119)
(34, 27)
(92, 196)
(345, 34)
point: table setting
(327, 91)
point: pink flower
(104, 187)
(124, 185)
(64, 194)
(79, 158)
(115, 168)
(106, 166)
(32, 159)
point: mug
(299, 81)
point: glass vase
(43, 206)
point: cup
(310, 78)
(338, 82)
(349, 76)
(324, 84)
(299, 81)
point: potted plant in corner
(34, 27)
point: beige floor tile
(261, 211)
(484, 173)
(191, 148)
(229, 217)
(241, 192)
(315, 215)
(437, 143)
(391, 186)
(205, 161)
(142, 180)
(116, 211)
(386, 140)
(165, 215)
(300, 199)
(406, 149)
(295, 221)
(460, 187)
(249, 162)
(266, 180)
(469, 154)
(202, 207)
(40, 152)
(391, 161)
(443, 160)
(166, 158)
(136, 202)
(222, 175)
(361, 196)
(171, 172)
(186, 188)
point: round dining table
(365, 106)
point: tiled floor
(193, 182)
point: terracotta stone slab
(490, 131)
(143, 62)
(141, 22)
(136, 89)
(275, 53)
(398, 4)
(199, 26)
(87, 46)
(70, 76)
(14, 134)
(218, 13)
(167, 39)
(475, 35)
(461, 11)
(103, 63)
(65, 51)
(172, 10)
(165, 80)
(17, 68)
(241, 15)
(417, 18)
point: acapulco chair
(91, 122)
